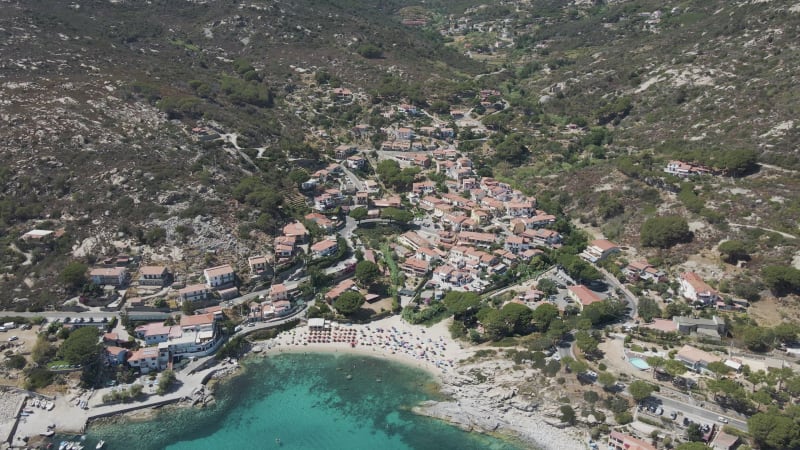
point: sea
(309, 401)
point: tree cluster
(398, 179)
(665, 231)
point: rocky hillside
(100, 99)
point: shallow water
(304, 401)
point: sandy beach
(487, 407)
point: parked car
(722, 419)
(12, 338)
(673, 415)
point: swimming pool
(639, 363)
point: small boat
(278, 441)
(36, 403)
(50, 406)
(48, 433)
(100, 444)
(29, 411)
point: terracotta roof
(603, 244)
(695, 355)
(193, 288)
(295, 229)
(144, 353)
(696, 282)
(224, 269)
(200, 319)
(323, 245)
(152, 270)
(584, 294)
(107, 272)
(665, 325)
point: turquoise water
(305, 401)
(639, 363)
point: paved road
(359, 185)
(614, 283)
(50, 315)
(697, 413)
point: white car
(722, 419)
(557, 357)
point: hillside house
(515, 244)
(194, 293)
(322, 221)
(683, 169)
(415, 267)
(284, 247)
(342, 94)
(694, 289)
(111, 276)
(521, 208)
(599, 249)
(582, 295)
(480, 239)
(357, 162)
(219, 276)
(405, 108)
(696, 359)
(257, 264)
(543, 237)
(642, 270)
(325, 247)
(38, 235)
(423, 187)
(404, 133)
(296, 230)
(343, 151)
(713, 327)
(153, 276)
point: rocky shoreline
(493, 406)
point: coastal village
(400, 242)
(404, 230)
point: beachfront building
(147, 359)
(196, 335)
(621, 441)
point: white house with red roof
(325, 247)
(693, 288)
(219, 275)
(599, 249)
(582, 295)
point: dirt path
(786, 235)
